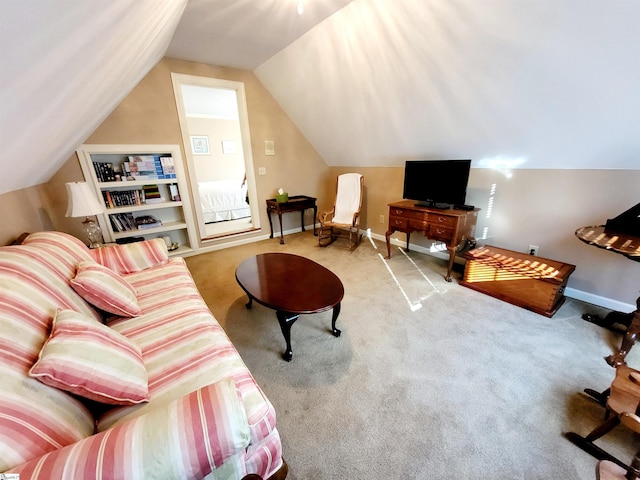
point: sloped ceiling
(244, 33)
(542, 84)
(508, 83)
(66, 64)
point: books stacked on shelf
(147, 221)
(122, 198)
(122, 222)
(104, 171)
(151, 194)
(149, 167)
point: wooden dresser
(452, 227)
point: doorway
(217, 144)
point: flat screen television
(436, 183)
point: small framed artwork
(228, 147)
(200, 145)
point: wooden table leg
(629, 339)
(270, 222)
(336, 311)
(281, 236)
(286, 320)
(315, 215)
(452, 257)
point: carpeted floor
(429, 380)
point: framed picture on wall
(200, 145)
(229, 147)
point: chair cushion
(105, 289)
(348, 198)
(91, 360)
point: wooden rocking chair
(345, 215)
(622, 407)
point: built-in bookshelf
(140, 187)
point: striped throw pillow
(91, 360)
(105, 289)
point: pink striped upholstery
(142, 448)
(34, 283)
(185, 351)
(132, 257)
(105, 289)
(184, 348)
(91, 360)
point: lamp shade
(82, 201)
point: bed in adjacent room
(223, 200)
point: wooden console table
(296, 203)
(455, 228)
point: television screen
(436, 183)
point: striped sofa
(113, 367)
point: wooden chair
(345, 214)
(622, 407)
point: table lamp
(83, 203)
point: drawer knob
(442, 219)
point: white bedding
(223, 200)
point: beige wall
(149, 115)
(25, 210)
(537, 207)
(218, 165)
(541, 207)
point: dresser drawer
(442, 220)
(439, 232)
(418, 224)
(406, 213)
(398, 222)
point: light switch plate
(269, 147)
(262, 170)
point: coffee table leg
(285, 320)
(250, 302)
(336, 312)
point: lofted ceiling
(244, 33)
(542, 84)
(66, 64)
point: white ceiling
(66, 64)
(244, 33)
(542, 84)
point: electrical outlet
(381, 218)
(533, 249)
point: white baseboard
(581, 295)
(603, 302)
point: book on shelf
(168, 167)
(122, 198)
(149, 167)
(147, 221)
(174, 192)
(151, 194)
(122, 222)
(104, 171)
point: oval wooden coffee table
(291, 285)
